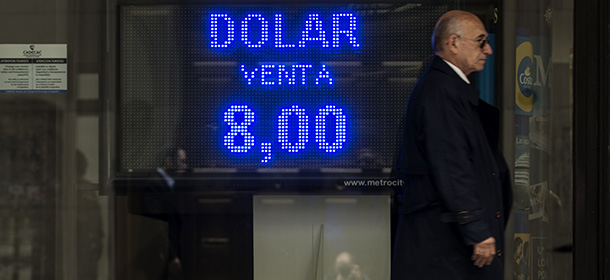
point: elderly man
(458, 194)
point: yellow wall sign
(524, 78)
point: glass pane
(291, 98)
(543, 147)
(54, 224)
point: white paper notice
(33, 68)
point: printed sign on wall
(33, 68)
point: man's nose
(487, 49)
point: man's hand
(483, 253)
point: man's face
(343, 264)
(471, 57)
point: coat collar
(472, 94)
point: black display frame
(224, 179)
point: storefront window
(543, 147)
(215, 140)
(279, 126)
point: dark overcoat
(458, 191)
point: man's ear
(452, 43)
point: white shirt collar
(458, 71)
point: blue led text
(340, 124)
(278, 75)
(240, 130)
(254, 31)
(303, 130)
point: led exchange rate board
(268, 87)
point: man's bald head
(460, 39)
(452, 22)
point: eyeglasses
(482, 42)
